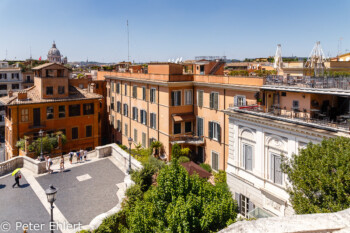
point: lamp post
(129, 141)
(51, 198)
(41, 133)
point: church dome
(54, 51)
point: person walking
(49, 161)
(81, 155)
(71, 157)
(85, 155)
(17, 177)
(62, 164)
(78, 156)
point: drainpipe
(224, 129)
(148, 113)
(158, 114)
(129, 115)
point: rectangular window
(240, 100)
(143, 114)
(75, 133)
(15, 76)
(188, 127)
(295, 104)
(245, 205)
(119, 126)
(188, 97)
(24, 115)
(144, 93)
(247, 157)
(49, 112)
(214, 100)
(74, 110)
(125, 89)
(118, 88)
(135, 136)
(153, 120)
(49, 90)
(61, 111)
(112, 120)
(126, 129)
(200, 98)
(3, 87)
(126, 113)
(15, 86)
(176, 98)
(200, 124)
(152, 95)
(119, 106)
(88, 109)
(214, 131)
(112, 87)
(135, 113)
(214, 161)
(112, 103)
(134, 92)
(61, 90)
(276, 171)
(3, 76)
(88, 132)
(144, 140)
(177, 128)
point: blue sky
(161, 29)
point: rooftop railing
(342, 83)
(307, 117)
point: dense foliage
(175, 151)
(179, 203)
(183, 159)
(206, 167)
(320, 177)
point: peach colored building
(167, 105)
(53, 105)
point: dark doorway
(200, 157)
(36, 116)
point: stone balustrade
(35, 166)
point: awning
(184, 117)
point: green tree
(156, 145)
(175, 151)
(320, 177)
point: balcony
(340, 83)
(187, 139)
(306, 117)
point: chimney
(22, 95)
(10, 93)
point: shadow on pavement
(68, 170)
(24, 185)
(2, 186)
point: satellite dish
(173, 60)
(180, 60)
(169, 60)
(177, 60)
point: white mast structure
(316, 59)
(278, 63)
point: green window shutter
(219, 132)
(210, 129)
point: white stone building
(259, 135)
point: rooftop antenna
(6, 55)
(316, 59)
(30, 50)
(127, 25)
(339, 45)
(278, 59)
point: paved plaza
(84, 191)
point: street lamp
(51, 198)
(129, 141)
(41, 133)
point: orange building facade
(53, 105)
(172, 107)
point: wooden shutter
(145, 117)
(141, 113)
(211, 100)
(278, 171)
(248, 157)
(214, 161)
(200, 98)
(216, 100)
(172, 98)
(210, 129)
(178, 98)
(143, 139)
(154, 120)
(272, 166)
(219, 132)
(235, 100)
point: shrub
(220, 177)
(134, 193)
(113, 224)
(143, 177)
(183, 159)
(175, 151)
(206, 167)
(123, 146)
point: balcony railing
(187, 139)
(342, 83)
(306, 117)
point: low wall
(306, 223)
(35, 166)
(121, 156)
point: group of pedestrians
(80, 155)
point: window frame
(75, 138)
(152, 95)
(47, 88)
(197, 127)
(200, 103)
(90, 111)
(173, 99)
(244, 157)
(52, 113)
(70, 112)
(218, 161)
(212, 102)
(134, 91)
(86, 131)
(24, 116)
(186, 122)
(177, 123)
(59, 90)
(191, 96)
